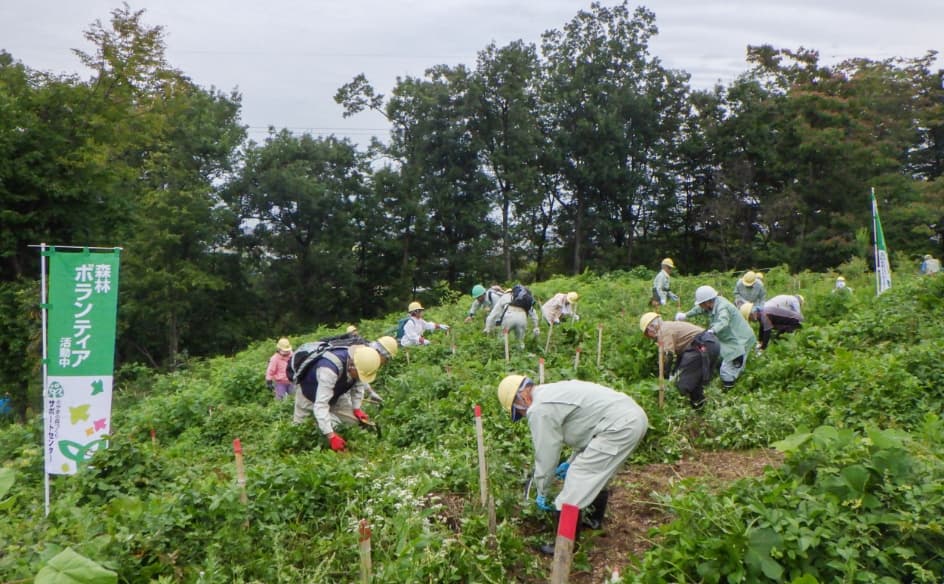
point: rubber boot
(592, 516)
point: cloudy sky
(288, 57)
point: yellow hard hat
(386, 346)
(668, 262)
(840, 279)
(351, 329)
(760, 276)
(749, 278)
(573, 297)
(646, 319)
(283, 345)
(746, 309)
(507, 390)
(366, 361)
(414, 306)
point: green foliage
(69, 567)
(851, 502)
(845, 506)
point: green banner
(81, 314)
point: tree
(614, 108)
(296, 200)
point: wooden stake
(540, 370)
(564, 544)
(240, 471)
(480, 438)
(547, 345)
(599, 342)
(363, 530)
(153, 438)
(661, 376)
(507, 354)
(577, 359)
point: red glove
(360, 415)
(337, 443)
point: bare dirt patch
(633, 511)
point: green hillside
(854, 400)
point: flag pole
(878, 275)
(42, 303)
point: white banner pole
(42, 299)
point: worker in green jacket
(734, 333)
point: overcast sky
(288, 57)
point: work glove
(542, 503)
(468, 319)
(561, 471)
(576, 317)
(710, 331)
(537, 331)
(361, 416)
(337, 443)
(443, 327)
(679, 316)
(556, 321)
(270, 384)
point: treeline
(581, 152)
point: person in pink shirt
(277, 371)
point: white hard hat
(704, 294)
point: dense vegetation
(854, 399)
(580, 151)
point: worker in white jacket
(602, 427)
(560, 306)
(792, 302)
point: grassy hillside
(857, 499)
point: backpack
(308, 353)
(521, 297)
(345, 340)
(400, 325)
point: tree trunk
(578, 234)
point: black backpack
(308, 353)
(521, 297)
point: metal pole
(42, 300)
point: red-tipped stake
(564, 544)
(363, 530)
(240, 471)
(577, 359)
(661, 376)
(540, 370)
(599, 342)
(483, 471)
(153, 438)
